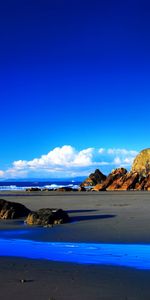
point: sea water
(23, 185)
(124, 255)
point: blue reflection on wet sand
(128, 255)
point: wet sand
(103, 217)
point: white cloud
(65, 156)
(19, 164)
(84, 158)
(101, 150)
(117, 160)
(13, 173)
(1, 173)
(66, 161)
(121, 152)
(118, 157)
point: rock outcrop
(141, 163)
(12, 210)
(94, 178)
(44, 216)
(129, 181)
(119, 179)
(144, 184)
(47, 217)
(111, 180)
(147, 183)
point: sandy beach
(96, 217)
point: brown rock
(47, 216)
(94, 178)
(111, 178)
(116, 184)
(129, 181)
(147, 183)
(12, 210)
(140, 184)
(141, 163)
(64, 189)
(98, 187)
(33, 189)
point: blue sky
(73, 73)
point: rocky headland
(120, 179)
(94, 178)
(141, 163)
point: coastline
(98, 217)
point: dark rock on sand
(47, 216)
(12, 210)
(81, 189)
(94, 178)
(64, 189)
(33, 189)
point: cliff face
(141, 163)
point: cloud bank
(66, 161)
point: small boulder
(82, 189)
(47, 216)
(33, 189)
(12, 210)
(64, 189)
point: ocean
(23, 185)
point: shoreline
(109, 217)
(98, 217)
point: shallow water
(126, 255)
